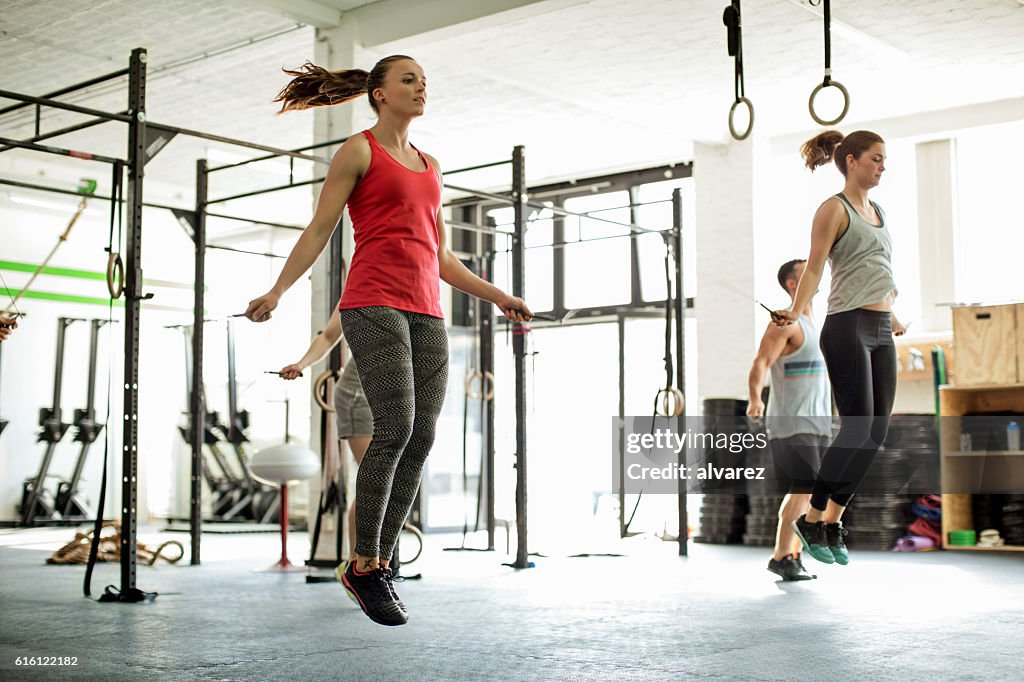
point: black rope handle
(731, 18)
(827, 81)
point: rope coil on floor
(731, 18)
(827, 81)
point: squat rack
(519, 198)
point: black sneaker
(389, 578)
(789, 568)
(835, 533)
(812, 535)
(371, 592)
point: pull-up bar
(69, 89)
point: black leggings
(861, 358)
(402, 360)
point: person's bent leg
(357, 445)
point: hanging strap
(731, 18)
(827, 81)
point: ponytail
(314, 86)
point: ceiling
(586, 86)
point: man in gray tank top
(799, 418)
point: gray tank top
(861, 262)
(800, 398)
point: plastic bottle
(1013, 436)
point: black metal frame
(520, 198)
(138, 126)
(135, 117)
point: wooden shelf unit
(996, 471)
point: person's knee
(855, 433)
(394, 434)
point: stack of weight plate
(1013, 519)
(877, 521)
(721, 519)
(915, 438)
(762, 520)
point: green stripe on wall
(87, 300)
(17, 266)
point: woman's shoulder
(355, 154)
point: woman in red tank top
(390, 308)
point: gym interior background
(622, 111)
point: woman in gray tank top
(851, 232)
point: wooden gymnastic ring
(846, 102)
(115, 274)
(661, 402)
(486, 380)
(318, 387)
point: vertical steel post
(197, 402)
(519, 349)
(133, 297)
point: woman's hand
(260, 308)
(784, 318)
(515, 309)
(898, 328)
(289, 372)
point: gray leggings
(402, 359)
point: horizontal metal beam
(70, 88)
(68, 192)
(255, 221)
(265, 191)
(478, 167)
(554, 209)
(61, 131)
(319, 145)
(245, 251)
(228, 140)
(65, 106)
(59, 151)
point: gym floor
(650, 614)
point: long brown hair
(832, 146)
(315, 86)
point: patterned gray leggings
(402, 359)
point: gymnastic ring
(318, 387)
(486, 380)
(846, 102)
(115, 274)
(750, 124)
(661, 402)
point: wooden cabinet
(964, 472)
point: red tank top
(394, 220)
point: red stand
(284, 565)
